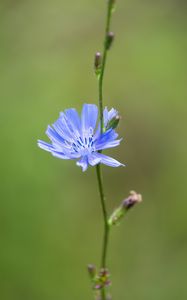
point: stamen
(84, 144)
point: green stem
(98, 167)
(103, 294)
(104, 58)
(105, 217)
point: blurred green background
(50, 216)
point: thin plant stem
(105, 217)
(103, 294)
(104, 58)
(98, 167)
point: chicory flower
(75, 137)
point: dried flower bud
(98, 63)
(120, 212)
(109, 39)
(92, 271)
(132, 200)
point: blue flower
(73, 137)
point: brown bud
(91, 271)
(132, 200)
(109, 39)
(98, 60)
(121, 211)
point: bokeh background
(50, 216)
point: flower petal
(74, 119)
(97, 133)
(109, 115)
(83, 162)
(58, 142)
(93, 159)
(109, 161)
(62, 128)
(108, 136)
(59, 155)
(45, 146)
(89, 117)
(50, 148)
(107, 145)
(112, 114)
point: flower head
(75, 137)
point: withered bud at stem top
(91, 271)
(121, 211)
(98, 60)
(98, 63)
(132, 200)
(109, 40)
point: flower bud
(132, 200)
(120, 212)
(113, 123)
(109, 39)
(92, 271)
(102, 279)
(98, 63)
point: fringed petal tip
(45, 146)
(97, 158)
(83, 163)
(109, 161)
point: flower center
(84, 144)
